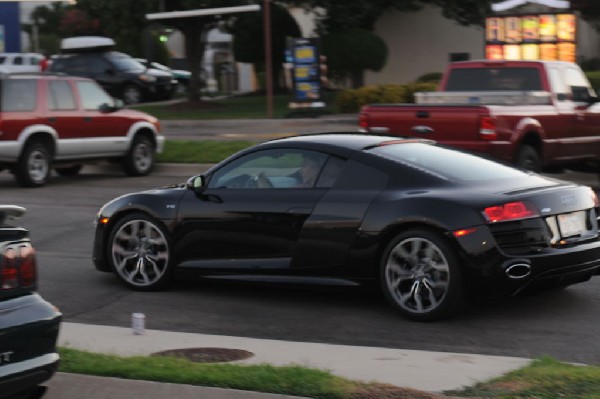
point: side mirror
(196, 183)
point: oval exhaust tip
(518, 270)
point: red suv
(61, 122)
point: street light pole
(268, 58)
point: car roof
(348, 140)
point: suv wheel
(132, 94)
(33, 167)
(140, 158)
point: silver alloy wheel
(417, 275)
(143, 156)
(140, 253)
(38, 166)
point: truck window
(18, 95)
(494, 79)
(578, 85)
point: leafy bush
(351, 100)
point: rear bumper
(29, 328)
(487, 275)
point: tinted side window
(73, 65)
(578, 85)
(281, 168)
(18, 60)
(92, 96)
(61, 96)
(331, 171)
(19, 95)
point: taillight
(487, 128)
(364, 122)
(18, 268)
(510, 211)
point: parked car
(428, 224)
(62, 122)
(182, 76)
(21, 62)
(118, 73)
(29, 325)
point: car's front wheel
(420, 275)
(139, 252)
(33, 167)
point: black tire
(69, 170)
(139, 161)
(132, 94)
(528, 158)
(33, 166)
(139, 253)
(421, 277)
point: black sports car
(427, 223)
(29, 325)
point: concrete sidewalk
(426, 371)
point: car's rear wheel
(33, 166)
(140, 158)
(69, 170)
(132, 94)
(420, 275)
(140, 253)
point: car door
(64, 117)
(250, 215)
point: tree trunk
(357, 79)
(194, 50)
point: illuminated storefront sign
(531, 37)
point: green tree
(46, 19)
(351, 52)
(248, 34)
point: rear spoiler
(10, 212)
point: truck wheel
(140, 158)
(33, 166)
(132, 94)
(528, 158)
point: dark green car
(29, 325)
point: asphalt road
(563, 324)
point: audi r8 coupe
(430, 225)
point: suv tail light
(487, 128)
(18, 267)
(510, 211)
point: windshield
(124, 62)
(447, 163)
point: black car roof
(348, 140)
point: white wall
(421, 42)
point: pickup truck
(538, 115)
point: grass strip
(289, 380)
(207, 151)
(544, 378)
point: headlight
(147, 78)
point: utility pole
(268, 58)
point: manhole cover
(207, 355)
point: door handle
(87, 118)
(52, 119)
(422, 129)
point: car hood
(157, 72)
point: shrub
(351, 100)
